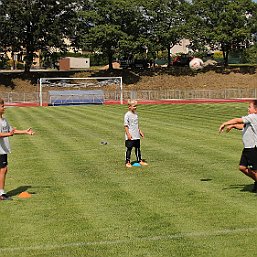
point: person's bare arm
(235, 126)
(7, 134)
(127, 132)
(28, 131)
(235, 121)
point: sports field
(190, 201)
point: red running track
(171, 101)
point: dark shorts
(3, 160)
(132, 143)
(249, 158)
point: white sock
(1, 191)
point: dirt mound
(209, 80)
(174, 78)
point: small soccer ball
(196, 64)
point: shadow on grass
(242, 188)
(247, 188)
(18, 190)
(205, 179)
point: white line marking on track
(132, 240)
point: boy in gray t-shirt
(132, 134)
(248, 125)
(6, 131)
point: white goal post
(74, 89)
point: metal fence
(17, 97)
(158, 94)
(180, 94)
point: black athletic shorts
(3, 160)
(132, 143)
(249, 158)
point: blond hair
(132, 102)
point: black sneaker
(5, 197)
(254, 190)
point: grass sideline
(190, 200)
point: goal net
(74, 91)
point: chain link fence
(17, 97)
(159, 94)
(179, 94)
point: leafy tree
(167, 19)
(111, 27)
(222, 24)
(34, 25)
(250, 54)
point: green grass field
(190, 201)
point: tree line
(126, 28)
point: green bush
(4, 63)
(250, 55)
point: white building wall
(181, 47)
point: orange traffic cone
(24, 195)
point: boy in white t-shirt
(132, 134)
(6, 131)
(248, 125)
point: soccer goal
(74, 91)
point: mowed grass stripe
(48, 133)
(57, 164)
(122, 197)
(181, 145)
(92, 125)
(130, 241)
(50, 186)
(165, 198)
(95, 168)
